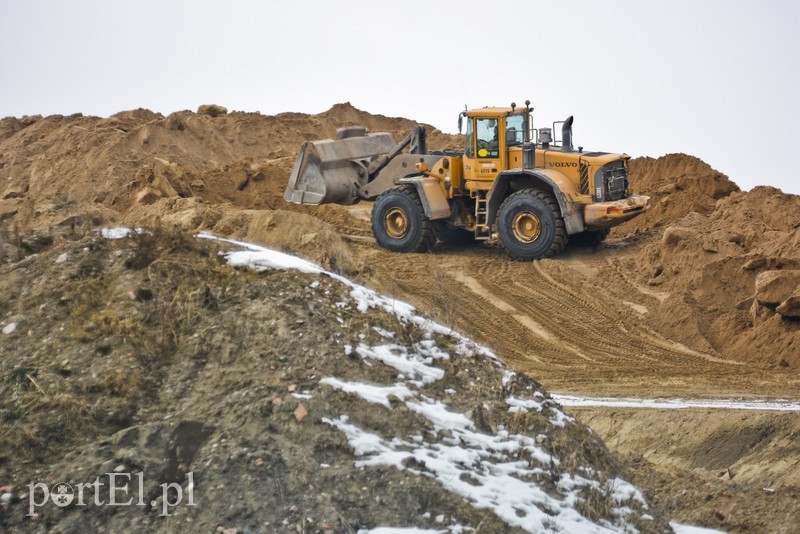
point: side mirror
(460, 121)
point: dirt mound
(677, 185)
(708, 263)
(302, 234)
(278, 401)
(299, 233)
(346, 115)
(58, 170)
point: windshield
(488, 142)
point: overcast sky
(715, 79)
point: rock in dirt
(8, 209)
(675, 235)
(212, 110)
(9, 328)
(754, 264)
(164, 185)
(775, 287)
(148, 195)
(790, 307)
(14, 191)
(300, 412)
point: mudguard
(432, 194)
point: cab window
(470, 153)
(515, 130)
(488, 141)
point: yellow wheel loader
(513, 182)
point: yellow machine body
(557, 188)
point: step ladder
(482, 231)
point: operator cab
(491, 135)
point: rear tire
(530, 225)
(399, 223)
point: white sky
(712, 78)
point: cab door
(484, 155)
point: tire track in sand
(594, 326)
(552, 322)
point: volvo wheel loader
(512, 181)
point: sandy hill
(56, 170)
(282, 401)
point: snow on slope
(484, 469)
(497, 479)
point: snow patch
(485, 470)
(119, 232)
(402, 530)
(677, 404)
(437, 413)
(689, 529)
(558, 417)
(374, 394)
(383, 333)
(398, 357)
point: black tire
(456, 236)
(399, 223)
(531, 226)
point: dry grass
(113, 315)
(595, 504)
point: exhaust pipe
(566, 135)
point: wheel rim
(396, 223)
(527, 227)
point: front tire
(530, 225)
(399, 223)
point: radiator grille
(584, 179)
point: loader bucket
(329, 171)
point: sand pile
(58, 170)
(206, 170)
(677, 185)
(709, 243)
